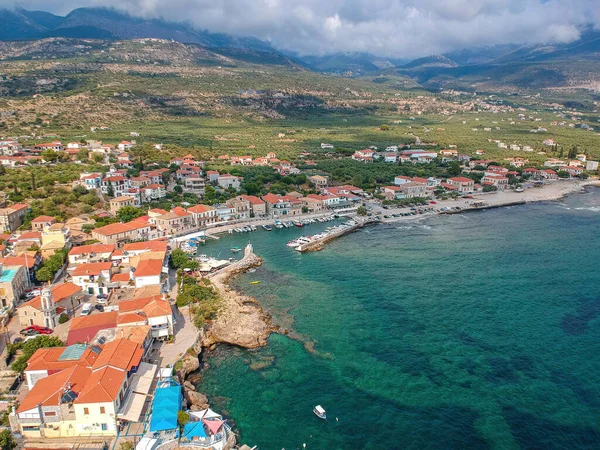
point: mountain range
(532, 66)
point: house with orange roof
(153, 192)
(118, 183)
(312, 205)
(154, 311)
(93, 278)
(148, 272)
(122, 232)
(125, 145)
(498, 181)
(258, 208)
(134, 252)
(48, 361)
(176, 222)
(12, 217)
(227, 181)
(65, 296)
(41, 222)
(463, 184)
(115, 204)
(84, 328)
(90, 253)
(278, 205)
(83, 390)
(203, 215)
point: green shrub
(63, 318)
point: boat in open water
(320, 412)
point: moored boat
(268, 227)
(236, 249)
(320, 412)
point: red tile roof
(48, 391)
(148, 268)
(49, 359)
(102, 386)
(18, 261)
(121, 354)
(84, 329)
(156, 246)
(91, 269)
(153, 306)
(200, 209)
(59, 292)
(118, 228)
(461, 180)
(93, 248)
(42, 219)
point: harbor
(317, 241)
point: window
(102, 410)
(86, 411)
(50, 413)
(104, 426)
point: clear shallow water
(479, 330)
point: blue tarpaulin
(166, 404)
(194, 429)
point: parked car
(26, 332)
(101, 300)
(86, 309)
(100, 308)
(37, 329)
(17, 340)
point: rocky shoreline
(241, 322)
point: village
(94, 336)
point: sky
(390, 28)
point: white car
(86, 309)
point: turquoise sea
(471, 331)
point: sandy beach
(552, 191)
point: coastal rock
(195, 398)
(189, 364)
(241, 321)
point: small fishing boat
(299, 224)
(320, 412)
(236, 249)
(255, 282)
(268, 227)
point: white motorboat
(320, 412)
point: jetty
(317, 244)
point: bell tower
(48, 308)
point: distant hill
(344, 62)
(510, 66)
(105, 23)
(431, 61)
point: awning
(194, 429)
(143, 378)
(213, 425)
(205, 414)
(132, 410)
(146, 444)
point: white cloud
(401, 28)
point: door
(30, 321)
(91, 290)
